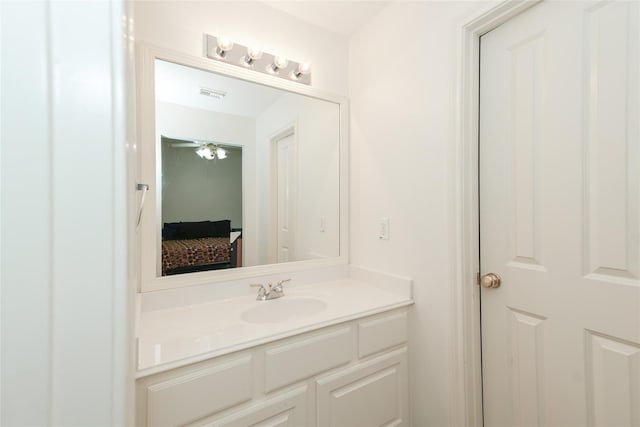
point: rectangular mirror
(246, 174)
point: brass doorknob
(490, 281)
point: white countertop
(173, 337)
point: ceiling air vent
(213, 93)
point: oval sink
(283, 310)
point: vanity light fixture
(211, 151)
(224, 50)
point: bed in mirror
(246, 175)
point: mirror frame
(148, 234)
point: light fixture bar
(224, 50)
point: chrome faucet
(274, 292)
(278, 290)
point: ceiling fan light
(206, 152)
(211, 151)
(221, 153)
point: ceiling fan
(205, 149)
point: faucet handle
(278, 290)
(262, 292)
(283, 281)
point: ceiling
(341, 17)
(181, 85)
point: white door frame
(466, 371)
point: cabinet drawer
(200, 393)
(381, 333)
(300, 359)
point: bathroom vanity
(331, 353)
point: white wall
(403, 72)
(318, 166)
(66, 356)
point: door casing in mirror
(149, 230)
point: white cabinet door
(369, 394)
(560, 216)
(285, 410)
(170, 400)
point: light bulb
(224, 45)
(304, 68)
(279, 62)
(206, 152)
(252, 55)
(221, 152)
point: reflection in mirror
(249, 173)
(201, 206)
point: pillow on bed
(193, 230)
(170, 230)
(222, 228)
(196, 230)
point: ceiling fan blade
(185, 145)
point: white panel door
(286, 170)
(560, 216)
